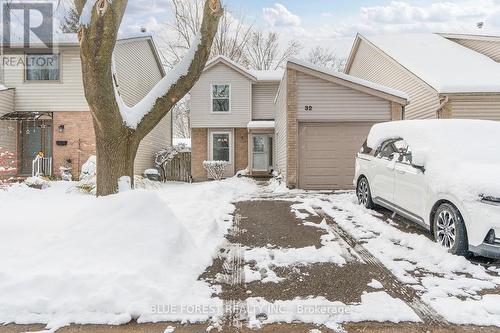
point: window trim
(25, 71)
(211, 144)
(212, 98)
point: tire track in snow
(398, 289)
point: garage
(327, 153)
(322, 119)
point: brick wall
(79, 133)
(292, 129)
(240, 149)
(199, 153)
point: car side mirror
(419, 167)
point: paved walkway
(272, 224)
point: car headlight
(490, 200)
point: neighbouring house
(43, 107)
(305, 122)
(445, 75)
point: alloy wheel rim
(363, 192)
(446, 229)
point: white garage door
(327, 153)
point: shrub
(215, 169)
(7, 167)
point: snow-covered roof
(255, 75)
(2, 87)
(72, 38)
(260, 124)
(267, 75)
(473, 36)
(443, 64)
(352, 79)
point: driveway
(299, 261)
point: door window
(260, 152)
(221, 147)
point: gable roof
(487, 38)
(253, 75)
(352, 82)
(443, 64)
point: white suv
(424, 171)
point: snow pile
(36, 182)
(320, 311)
(440, 62)
(461, 157)
(108, 260)
(132, 116)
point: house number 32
(308, 108)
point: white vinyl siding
(63, 95)
(241, 99)
(373, 65)
(327, 101)
(137, 73)
(476, 107)
(6, 101)
(263, 95)
(280, 134)
(488, 48)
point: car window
(387, 150)
(404, 151)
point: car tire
(449, 230)
(363, 193)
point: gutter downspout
(439, 111)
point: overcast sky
(334, 23)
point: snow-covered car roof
(460, 156)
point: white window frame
(212, 98)
(231, 146)
(60, 63)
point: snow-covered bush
(65, 173)
(36, 182)
(7, 167)
(88, 176)
(215, 169)
(166, 155)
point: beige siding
(137, 73)
(488, 48)
(240, 94)
(476, 107)
(65, 95)
(371, 64)
(8, 131)
(333, 102)
(280, 134)
(263, 95)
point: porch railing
(42, 166)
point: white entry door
(260, 152)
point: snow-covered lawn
(68, 257)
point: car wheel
(450, 231)
(363, 193)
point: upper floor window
(42, 67)
(221, 98)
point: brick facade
(292, 129)
(79, 134)
(199, 153)
(240, 149)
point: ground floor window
(221, 146)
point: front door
(35, 136)
(261, 152)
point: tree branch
(211, 15)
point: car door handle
(401, 172)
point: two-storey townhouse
(232, 118)
(305, 122)
(43, 106)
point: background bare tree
(117, 139)
(264, 52)
(180, 119)
(326, 58)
